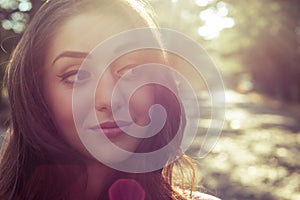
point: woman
(45, 155)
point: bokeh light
(215, 20)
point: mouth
(110, 129)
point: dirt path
(258, 153)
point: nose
(104, 92)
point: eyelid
(123, 70)
(68, 74)
(74, 74)
(68, 64)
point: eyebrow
(71, 54)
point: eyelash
(126, 69)
(65, 77)
(74, 73)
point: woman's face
(71, 44)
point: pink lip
(111, 128)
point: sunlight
(203, 3)
(25, 6)
(8, 4)
(215, 20)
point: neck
(98, 176)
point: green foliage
(264, 42)
(272, 56)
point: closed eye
(128, 71)
(75, 76)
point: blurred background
(256, 46)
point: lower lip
(112, 132)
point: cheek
(59, 102)
(61, 105)
(140, 104)
(62, 111)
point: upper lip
(110, 124)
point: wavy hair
(36, 162)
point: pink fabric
(125, 189)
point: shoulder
(203, 196)
(195, 195)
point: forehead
(85, 31)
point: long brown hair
(36, 162)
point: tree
(263, 41)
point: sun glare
(215, 20)
(203, 3)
